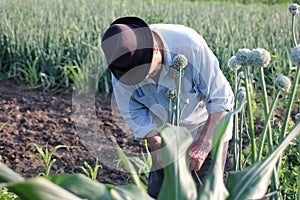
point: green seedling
(90, 171)
(2, 126)
(143, 164)
(45, 156)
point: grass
(67, 33)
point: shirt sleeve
(135, 114)
(210, 84)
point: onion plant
(46, 33)
(261, 58)
(174, 94)
(179, 63)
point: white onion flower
(260, 57)
(174, 72)
(241, 75)
(295, 55)
(241, 94)
(180, 61)
(283, 82)
(233, 64)
(297, 117)
(294, 8)
(242, 56)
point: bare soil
(29, 115)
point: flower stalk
(241, 98)
(266, 126)
(240, 143)
(171, 107)
(178, 97)
(250, 115)
(234, 65)
(236, 128)
(293, 30)
(266, 110)
(290, 103)
(294, 10)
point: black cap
(128, 47)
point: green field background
(67, 32)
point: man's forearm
(205, 139)
(203, 145)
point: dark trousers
(156, 177)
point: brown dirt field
(33, 116)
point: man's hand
(196, 157)
(203, 145)
(155, 142)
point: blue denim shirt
(144, 106)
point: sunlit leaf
(40, 189)
(81, 186)
(8, 175)
(178, 183)
(129, 192)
